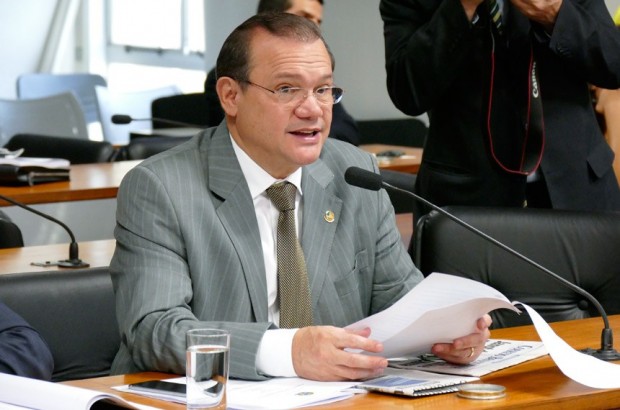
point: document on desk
(498, 354)
(272, 394)
(441, 308)
(25, 393)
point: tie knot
(282, 194)
(495, 11)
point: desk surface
(17, 260)
(409, 162)
(88, 181)
(101, 181)
(99, 253)
(534, 384)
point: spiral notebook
(415, 383)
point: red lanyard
(534, 141)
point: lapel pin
(329, 216)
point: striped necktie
(293, 288)
(496, 16)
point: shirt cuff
(270, 361)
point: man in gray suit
(196, 231)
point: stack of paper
(30, 171)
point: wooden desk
(88, 181)
(534, 384)
(99, 253)
(410, 162)
(101, 181)
(17, 260)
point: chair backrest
(188, 108)
(57, 115)
(37, 85)
(75, 150)
(136, 104)
(75, 313)
(10, 234)
(409, 132)
(581, 247)
(141, 148)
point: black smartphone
(159, 386)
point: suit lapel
(237, 215)
(317, 238)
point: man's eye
(287, 90)
(322, 90)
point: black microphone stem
(74, 260)
(33, 210)
(606, 352)
(123, 119)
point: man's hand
(467, 348)
(543, 12)
(318, 354)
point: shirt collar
(257, 178)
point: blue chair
(57, 115)
(136, 104)
(37, 85)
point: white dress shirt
(270, 360)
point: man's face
(310, 9)
(283, 137)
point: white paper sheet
(578, 366)
(441, 308)
(444, 307)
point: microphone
(74, 261)
(122, 119)
(369, 180)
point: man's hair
(234, 58)
(265, 6)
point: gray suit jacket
(188, 252)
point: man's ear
(228, 90)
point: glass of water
(207, 368)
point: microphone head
(362, 178)
(121, 119)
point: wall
(24, 24)
(358, 48)
(356, 39)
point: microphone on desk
(74, 261)
(369, 180)
(122, 119)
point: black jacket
(437, 61)
(22, 350)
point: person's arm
(427, 45)
(154, 286)
(608, 105)
(320, 352)
(585, 37)
(23, 351)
